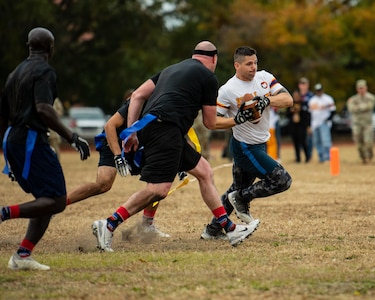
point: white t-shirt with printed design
(320, 107)
(229, 99)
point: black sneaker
(212, 232)
(241, 207)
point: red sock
(68, 201)
(119, 216)
(27, 245)
(149, 213)
(223, 219)
(25, 248)
(14, 211)
(219, 212)
(123, 213)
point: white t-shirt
(230, 98)
(320, 107)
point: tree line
(104, 48)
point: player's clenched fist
(262, 102)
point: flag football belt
(30, 144)
(100, 138)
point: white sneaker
(18, 263)
(242, 232)
(154, 230)
(241, 207)
(103, 235)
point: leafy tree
(327, 43)
(106, 47)
(102, 47)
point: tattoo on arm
(282, 90)
(219, 114)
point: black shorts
(166, 153)
(46, 178)
(106, 157)
(106, 160)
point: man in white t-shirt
(248, 144)
(322, 108)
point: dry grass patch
(315, 241)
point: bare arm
(138, 99)
(110, 129)
(50, 117)
(209, 116)
(224, 123)
(281, 99)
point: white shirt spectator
(321, 106)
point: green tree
(102, 47)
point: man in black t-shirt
(106, 172)
(26, 113)
(171, 106)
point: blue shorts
(46, 178)
(252, 158)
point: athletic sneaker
(103, 235)
(18, 263)
(241, 207)
(242, 232)
(212, 232)
(154, 230)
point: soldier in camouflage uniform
(361, 107)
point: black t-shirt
(124, 108)
(33, 81)
(180, 92)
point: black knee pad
(281, 178)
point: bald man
(171, 105)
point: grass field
(315, 241)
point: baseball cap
(361, 83)
(318, 87)
(303, 80)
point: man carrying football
(251, 92)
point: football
(251, 105)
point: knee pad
(281, 178)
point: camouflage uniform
(361, 107)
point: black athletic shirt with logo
(180, 92)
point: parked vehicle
(86, 121)
(341, 122)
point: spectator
(322, 108)
(299, 122)
(361, 107)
